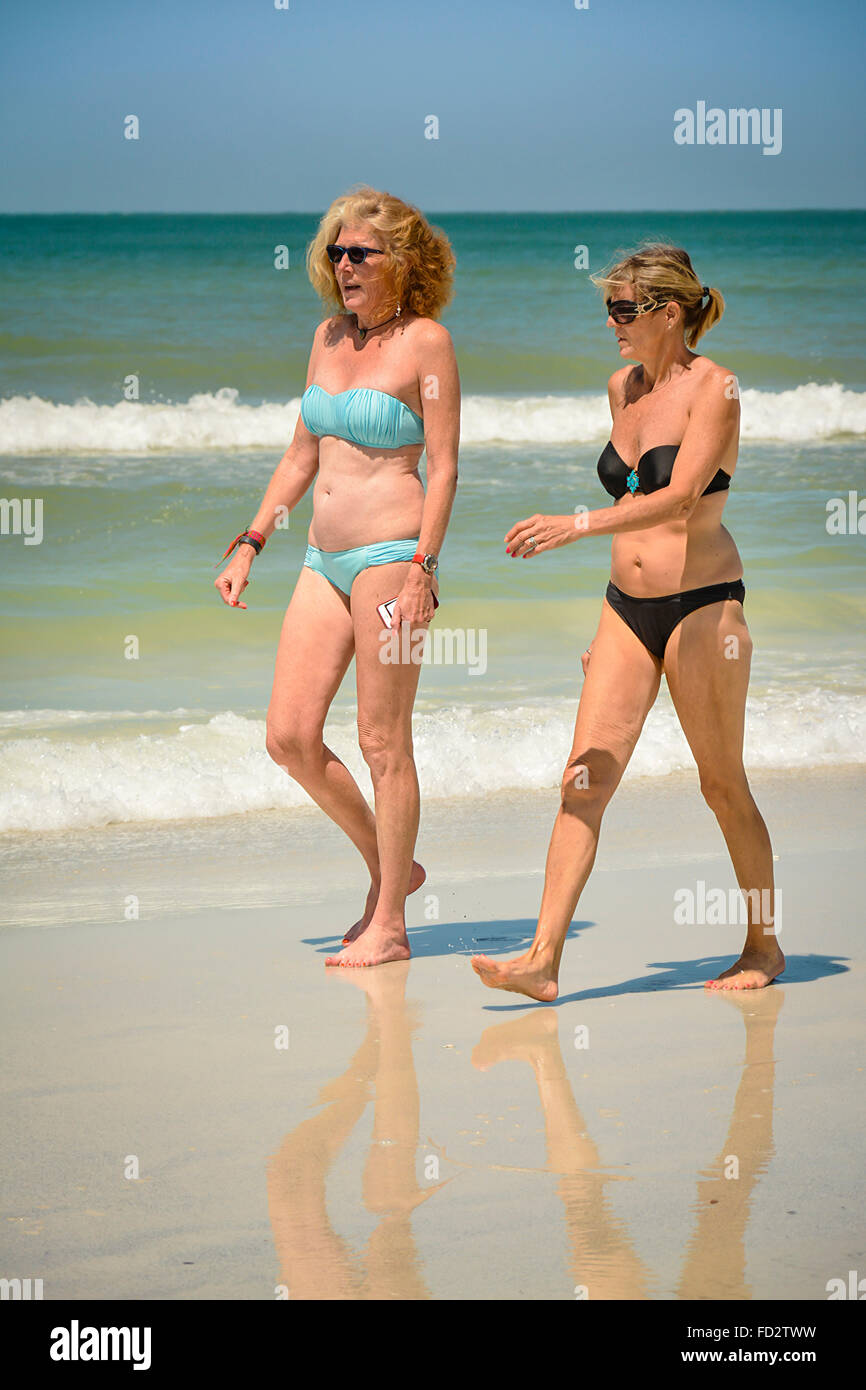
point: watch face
(430, 563)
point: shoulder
(717, 387)
(325, 338)
(428, 334)
(330, 330)
(715, 402)
(616, 384)
(713, 373)
(431, 350)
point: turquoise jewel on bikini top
(363, 416)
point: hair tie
(706, 290)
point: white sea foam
(218, 420)
(30, 719)
(218, 767)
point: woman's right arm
(290, 480)
(296, 469)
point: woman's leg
(316, 645)
(707, 661)
(386, 694)
(621, 684)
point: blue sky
(243, 107)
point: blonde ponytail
(702, 321)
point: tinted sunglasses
(627, 310)
(356, 254)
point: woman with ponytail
(674, 605)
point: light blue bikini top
(363, 416)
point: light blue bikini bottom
(342, 567)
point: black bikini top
(653, 471)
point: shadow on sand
(506, 938)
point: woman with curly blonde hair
(674, 605)
(382, 386)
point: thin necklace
(671, 379)
(362, 332)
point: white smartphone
(386, 610)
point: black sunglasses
(356, 254)
(627, 310)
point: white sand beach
(642, 1138)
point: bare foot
(753, 970)
(416, 878)
(523, 975)
(380, 944)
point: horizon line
(438, 212)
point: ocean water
(139, 499)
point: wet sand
(419, 1136)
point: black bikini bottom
(654, 619)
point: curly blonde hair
(661, 271)
(418, 256)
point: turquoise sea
(139, 499)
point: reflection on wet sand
(715, 1263)
(316, 1263)
(603, 1261)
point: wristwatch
(428, 563)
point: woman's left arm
(710, 437)
(439, 387)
